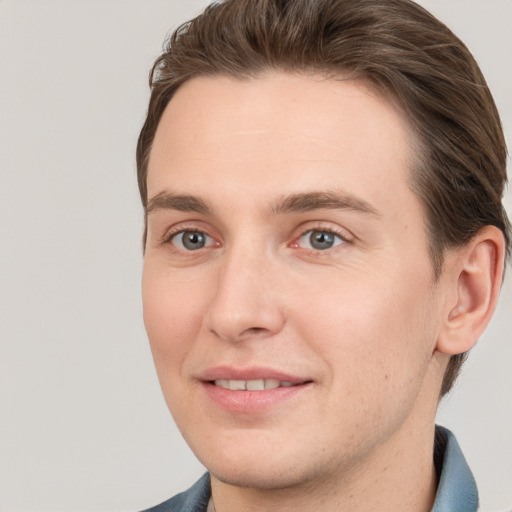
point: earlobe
(476, 276)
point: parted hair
(459, 170)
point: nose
(246, 301)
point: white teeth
(271, 383)
(235, 385)
(255, 385)
(252, 385)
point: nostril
(254, 332)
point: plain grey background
(83, 426)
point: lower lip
(250, 402)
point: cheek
(375, 349)
(374, 335)
(173, 313)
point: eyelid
(185, 226)
(308, 227)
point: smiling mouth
(252, 395)
(254, 385)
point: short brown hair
(460, 170)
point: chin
(261, 476)
(263, 464)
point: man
(324, 241)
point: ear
(475, 274)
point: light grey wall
(83, 426)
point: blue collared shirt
(456, 491)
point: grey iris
(193, 240)
(321, 240)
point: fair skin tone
(285, 244)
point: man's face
(286, 249)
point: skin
(364, 321)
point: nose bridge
(245, 303)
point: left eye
(320, 240)
(191, 240)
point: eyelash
(342, 240)
(182, 228)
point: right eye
(320, 239)
(191, 240)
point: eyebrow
(183, 203)
(303, 202)
(311, 201)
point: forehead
(287, 132)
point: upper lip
(251, 373)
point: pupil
(193, 240)
(321, 240)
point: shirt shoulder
(194, 499)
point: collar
(457, 491)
